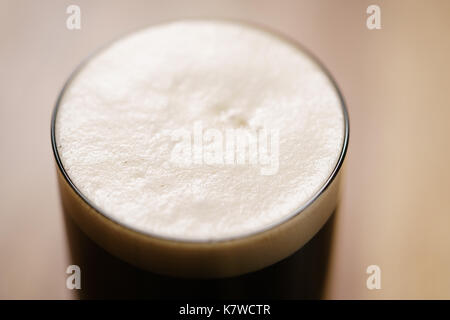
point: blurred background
(395, 206)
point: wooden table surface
(395, 206)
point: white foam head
(127, 120)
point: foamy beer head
(200, 148)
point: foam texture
(114, 118)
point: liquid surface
(148, 130)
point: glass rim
(297, 212)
